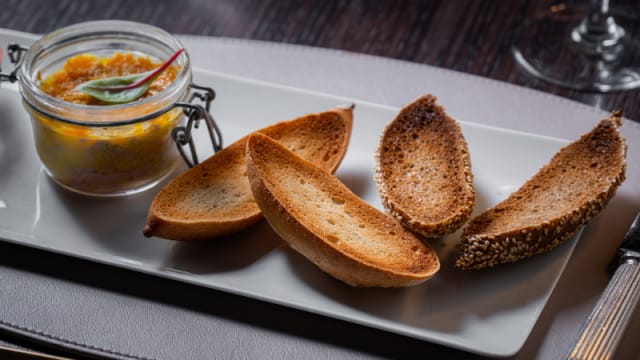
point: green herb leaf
(124, 89)
(101, 88)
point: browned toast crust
(423, 169)
(551, 206)
(214, 199)
(329, 225)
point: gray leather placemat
(103, 311)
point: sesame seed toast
(214, 198)
(319, 217)
(423, 169)
(552, 205)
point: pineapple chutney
(85, 67)
(111, 105)
(117, 158)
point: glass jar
(109, 150)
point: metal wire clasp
(195, 112)
(16, 52)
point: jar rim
(102, 115)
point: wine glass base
(545, 49)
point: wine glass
(579, 50)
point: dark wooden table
(469, 36)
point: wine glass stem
(597, 19)
(598, 32)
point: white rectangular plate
(490, 312)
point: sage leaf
(124, 89)
(105, 89)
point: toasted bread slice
(332, 227)
(423, 170)
(214, 198)
(552, 205)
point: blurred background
(470, 36)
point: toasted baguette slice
(552, 205)
(423, 170)
(214, 198)
(332, 227)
